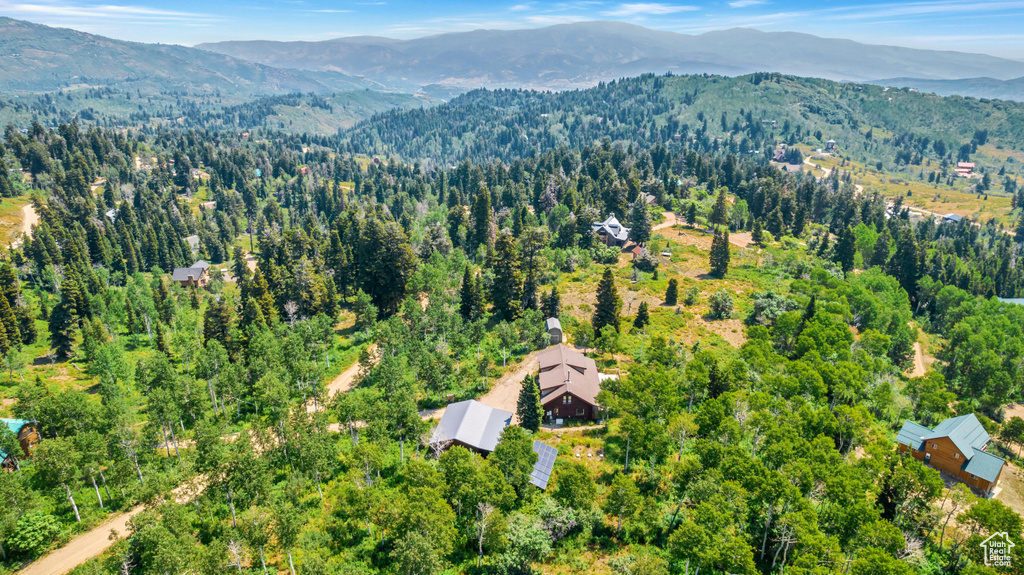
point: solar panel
(546, 456)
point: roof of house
(187, 274)
(953, 217)
(965, 432)
(15, 426)
(968, 165)
(563, 370)
(546, 456)
(612, 227)
(912, 434)
(552, 323)
(793, 168)
(472, 423)
(969, 437)
(200, 265)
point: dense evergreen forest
(764, 335)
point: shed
(554, 329)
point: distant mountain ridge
(34, 58)
(977, 87)
(583, 54)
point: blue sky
(994, 27)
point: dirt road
(918, 370)
(82, 548)
(670, 220)
(94, 542)
(29, 218)
(504, 393)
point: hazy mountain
(977, 87)
(34, 57)
(582, 54)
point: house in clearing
(198, 274)
(952, 218)
(964, 169)
(27, 436)
(611, 232)
(830, 146)
(956, 446)
(569, 384)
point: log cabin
(956, 446)
(27, 436)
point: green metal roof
(912, 434)
(984, 465)
(965, 432)
(15, 426)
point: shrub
(33, 533)
(692, 296)
(720, 304)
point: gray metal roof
(552, 323)
(473, 424)
(546, 456)
(984, 465)
(612, 227)
(912, 434)
(201, 265)
(965, 432)
(953, 217)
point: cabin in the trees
(554, 329)
(569, 384)
(952, 218)
(472, 425)
(198, 274)
(478, 427)
(956, 446)
(964, 169)
(611, 232)
(779, 155)
(830, 146)
(27, 436)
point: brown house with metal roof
(956, 446)
(569, 384)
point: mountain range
(37, 58)
(583, 54)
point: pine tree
(775, 223)
(507, 289)
(672, 293)
(481, 218)
(64, 320)
(757, 235)
(846, 249)
(719, 260)
(691, 214)
(799, 222)
(720, 213)
(640, 221)
(528, 407)
(825, 246)
(470, 306)
(10, 324)
(552, 303)
(643, 316)
(608, 303)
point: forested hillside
(763, 329)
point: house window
(935, 446)
(580, 412)
(956, 455)
(566, 400)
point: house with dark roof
(611, 232)
(198, 274)
(956, 446)
(952, 218)
(28, 437)
(569, 384)
(830, 146)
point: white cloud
(746, 3)
(520, 7)
(329, 11)
(99, 11)
(652, 9)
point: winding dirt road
(29, 218)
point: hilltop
(583, 54)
